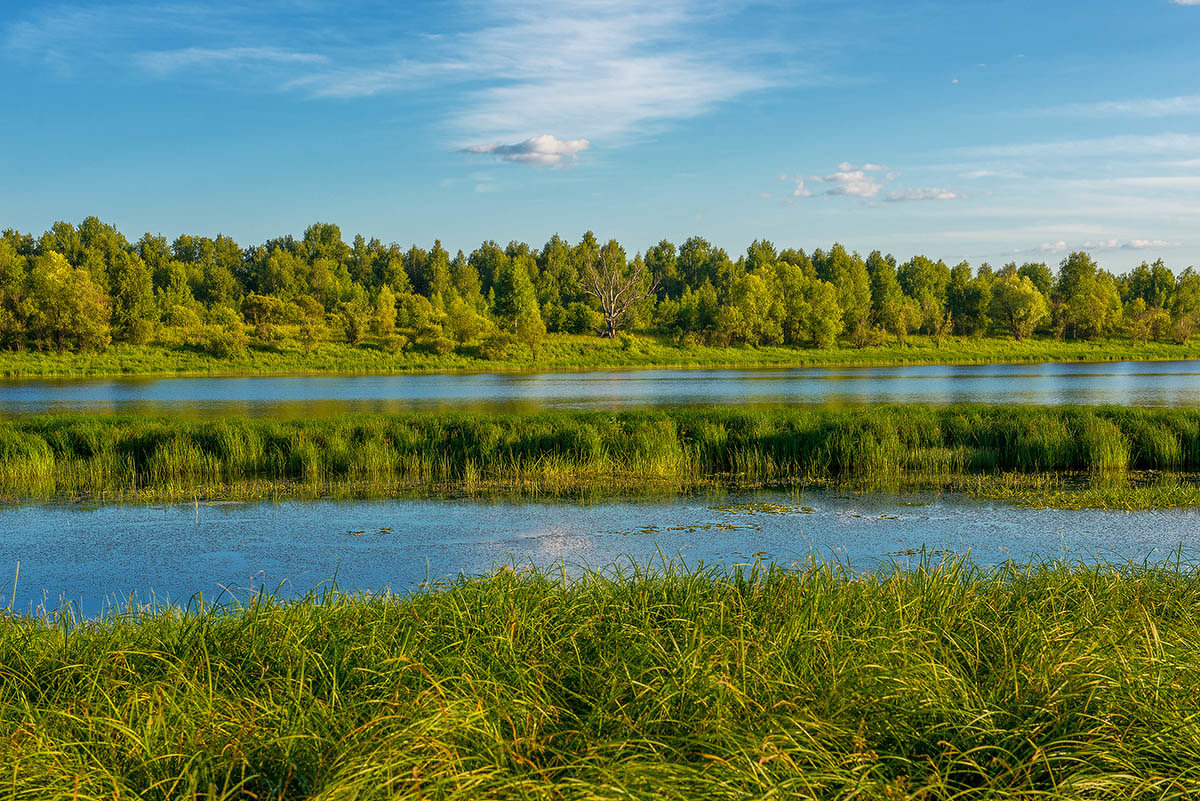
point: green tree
(68, 309)
(15, 308)
(663, 265)
(825, 320)
(1154, 284)
(848, 274)
(1017, 304)
(463, 322)
(383, 313)
(516, 302)
(1039, 274)
(134, 312)
(968, 297)
(925, 281)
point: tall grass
(546, 451)
(936, 681)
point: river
(1131, 383)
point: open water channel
(1092, 383)
(99, 556)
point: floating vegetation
(691, 528)
(764, 508)
(366, 531)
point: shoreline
(567, 354)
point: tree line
(84, 287)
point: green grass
(566, 352)
(941, 681)
(1020, 452)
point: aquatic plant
(937, 681)
(556, 451)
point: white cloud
(864, 181)
(1144, 244)
(1186, 2)
(1103, 244)
(537, 151)
(1144, 107)
(855, 183)
(924, 193)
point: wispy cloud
(507, 70)
(165, 62)
(1144, 107)
(537, 151)
(924, 193)
(1061, 246)
(576, 67)
(1186, 2)
(855, 183)
(846, 166)
(603, 70)
(1143, 145)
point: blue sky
(963, 130)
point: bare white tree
(606, 278)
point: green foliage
(929, 679)
(67, 308)
(497, 346)
(226, 341)
(155, 291)
(134, 312)
(383, 313)
(946, 446)
(355, 317)
(1017, 304)
(463, 323)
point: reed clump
(938, 681)
(569, 451)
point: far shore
(565, 353)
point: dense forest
(84, 287)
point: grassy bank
(565, 352)
(939, 682)
(567, 452)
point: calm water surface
(1132, 383)
(95, 556)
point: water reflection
(1132, 383)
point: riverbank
(1115, 457)
(564, 352)
(937, 681)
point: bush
(497, 347)
(225, 342)
(432, 339)
(580, 318)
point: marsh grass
(565, 453)
(937, 680)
